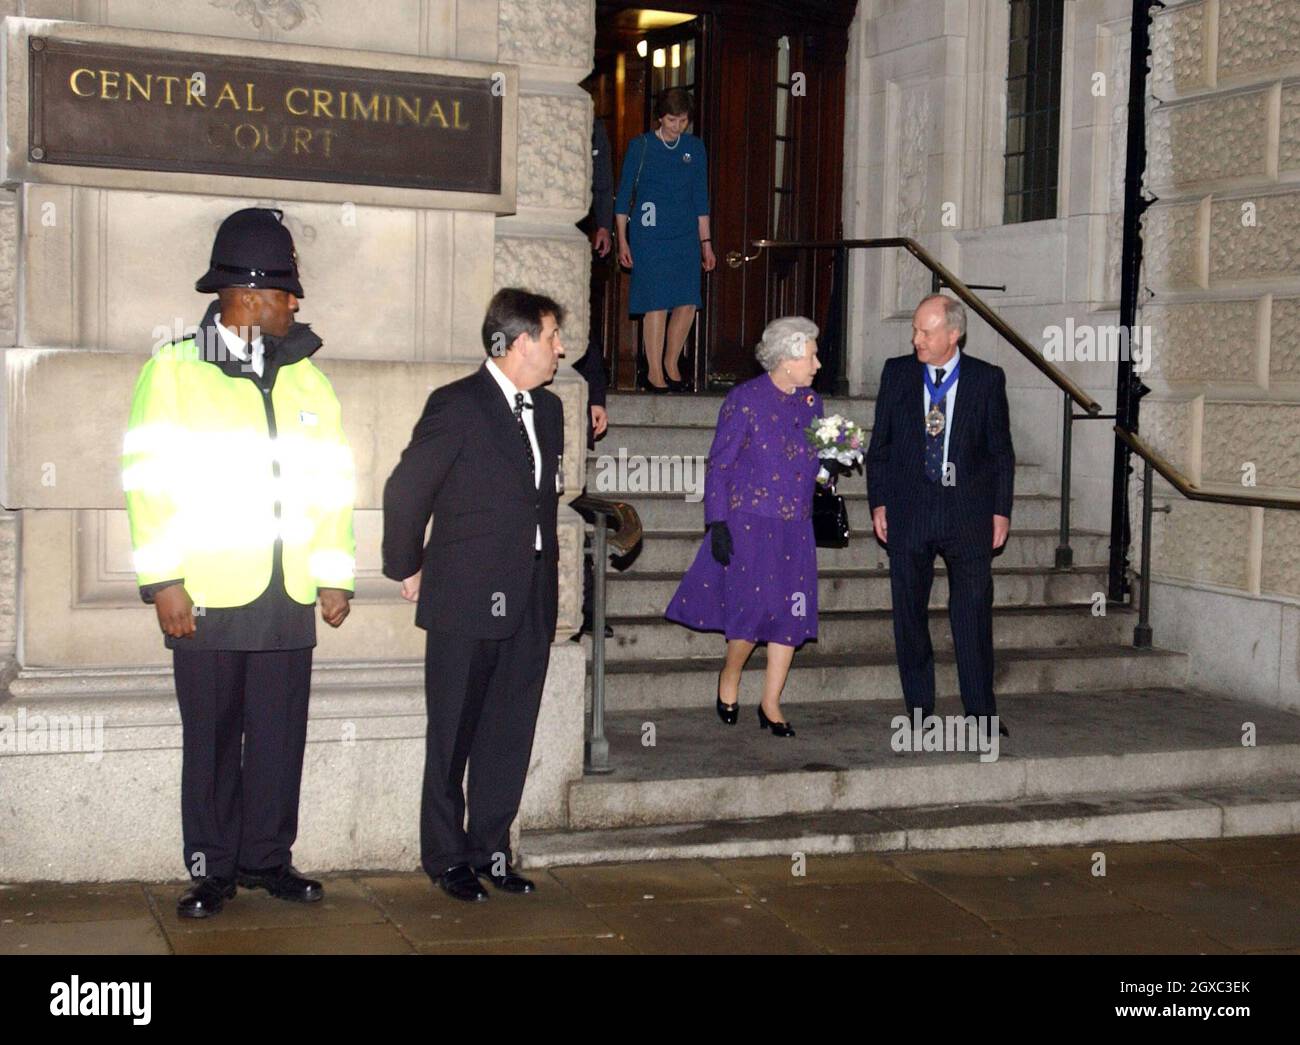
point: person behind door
(484, 462)
(239, 491)
(940, 481)
(667, 240)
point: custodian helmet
(252, 249)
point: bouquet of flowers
(838, 442)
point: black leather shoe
(462, 883)
(205, 897)
(779, 729)
(284, 883)
(509, 882)
(727, 712)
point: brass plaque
(101, 105)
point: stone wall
(1223, 265)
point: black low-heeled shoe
(729, 713)
(779, 729)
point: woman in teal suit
(667, 241)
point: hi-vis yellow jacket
(215, 469)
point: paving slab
(660, 881)
(1144, 933)
(344, 904)
(110, 936)
(733, 926)
(29, 902)
(320, 939)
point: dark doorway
(768, 83)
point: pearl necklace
(660, 136)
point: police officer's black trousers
(482, 697)
(244, 727)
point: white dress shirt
(948, 400)
(508, 389)
(238, 347)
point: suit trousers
(482, 697)
(970, 609)
(244, 733)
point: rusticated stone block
(546, 32)
(1202, 542)
(8, 583)
(1258, 37)
(1178, 50)
(554, 158)
(1289, 137)
(553, 266)
(1210, 139)
(1284, 340)
(1267, 249)
(1171, 235)
(1265, 435)
(1171, 427)
(1280, 570)
(8, 268)
(1203, 341)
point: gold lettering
(105, 83)
(302, 137)
(455, 117)
(72, 82)
(321, 101)
(191, 96)
(365, 112)
(328, 135)
(133, 84)
(168, 81)
(388, 108)
(435, 109)
(257, 137)
(288, 100)
(402, 103)
(248, 103)
(227, 94)
(266, 136)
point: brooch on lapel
(809, 399)
(686, 157)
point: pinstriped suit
(954, 521)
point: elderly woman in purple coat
(755, 576)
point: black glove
(722, 547)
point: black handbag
(830, 516)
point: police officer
(239, 488)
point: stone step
(667, 551)
(844, 757)
(637, 408)
(647, 594)
(674, 460)
(871, 676)
(1014, 627)
(673, 511)
(1265, 807)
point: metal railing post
(597, 746)
(1142, 633)
(1064, 553)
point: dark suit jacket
(467, 467)
(979, 448)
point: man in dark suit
(940, 480)
(485, 462)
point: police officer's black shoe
(205, 897)
(284, 883)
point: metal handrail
(1190, 490)
(735, 259)
(625, 536)
(1152, 459)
